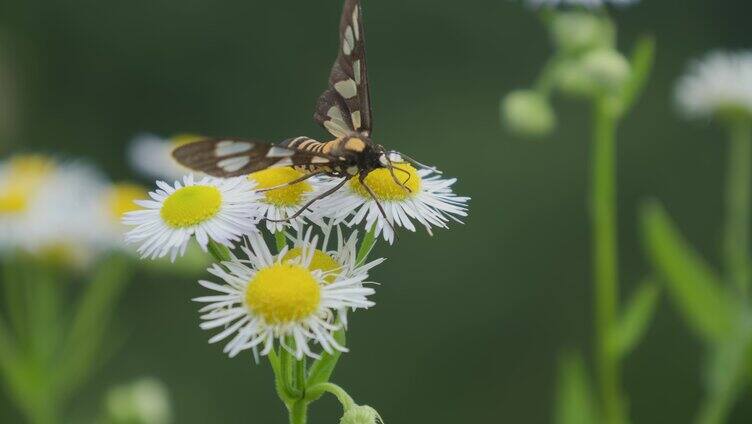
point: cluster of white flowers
(298, 293)
(64, 211)
(720, 82)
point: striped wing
(345, 107)
(231, 157)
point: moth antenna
(378, 204)
(415, 162)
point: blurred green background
(469, 322)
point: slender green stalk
(603, 215)
(736, 242)
(299, 412)
(318, 389)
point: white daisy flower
(281, 203)
(220, 210)
(583, 3)
(48, 209)
(336, 258)
(113, 203)
(151, 155)
(282, 298)
(429, 201)
(721, 82)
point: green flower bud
(144, 401)
(528, 113)
(361, 414)
(574, 32)
(598, 71)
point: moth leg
(295, 181)
(310, 202)
(394, 176)
(378, 204)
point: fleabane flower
(114, 202)
(47, 209)
(720, 83)
(279, 204)
(426, 198)
(336, 256)
(283, 299)
(151, 155)
(209, 209)
(583, 3)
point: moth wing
(345, 106)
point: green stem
(299, 412)
(603, 215)
(317, 390)
(737, 229)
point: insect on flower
(344, 110)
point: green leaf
(92, 316)
(642, 59)
(692, 284)
(633, 322)
(321, 370)
(727, 370)
(574, 398)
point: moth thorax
(355, 144)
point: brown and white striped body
(348, 155)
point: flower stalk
(605, 261)
(736, 241)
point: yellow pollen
(191, 205)
(320, 261)
(121, 197)
(180, 139)
(283, 293)
(383, 185)
(284, 196)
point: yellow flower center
(320, 261)
(191, 205)
(121, 197)
(383, 185)
(13, 200)
(290, 195)
(180, 139)
(283, 293)
(31, 166)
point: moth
(343, 109)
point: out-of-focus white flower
(583, 3)
(145, 401)
(719, 83)
(528, 113)
(49, 209)
(279, 204)
(266, 299)
(151, 155)
(426, 198)
(113, 203)
(209, 209)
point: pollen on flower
(321, 261)
(191, 205)
(283, 293)
(290, 195)
(383, 185)
(121, 197)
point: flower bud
(144, 401)
(361, 414)
(607, 69)
(574, 32)
(528, 113)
